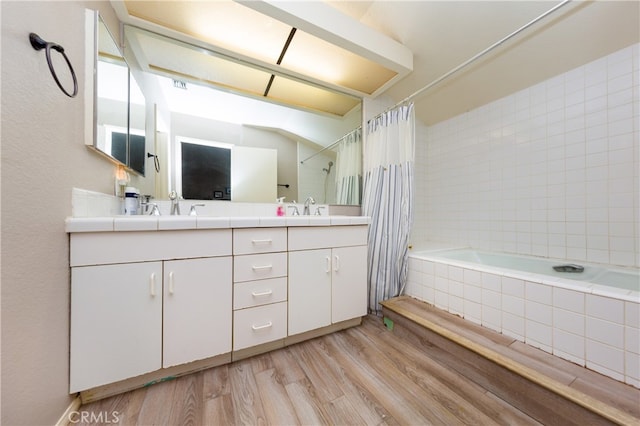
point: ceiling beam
(329, 24)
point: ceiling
(402, 46)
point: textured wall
(42, 157)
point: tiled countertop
(163, 223)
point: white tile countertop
(162, 223)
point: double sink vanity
(155, 297)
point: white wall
(43, 157)
(551, 170)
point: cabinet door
(309, 290)
(349, 283)
(197, 309)
(116, 323)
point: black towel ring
(40, 44)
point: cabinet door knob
(171, 282)
(336, 266)
(328, 268)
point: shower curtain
(389, 151)
(349, 169)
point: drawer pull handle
(267, 241)
(262, 293)
(171, 282)
(261, 327)
(328, 268)
(256, 268)
(337, 263)
(152, 284)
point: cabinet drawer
(262, 292)
(259, 240)
(259, 266)
(314, 237)
(96, 248)
(262, 324)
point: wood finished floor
(363, 375)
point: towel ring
(39, 44)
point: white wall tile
(632, 368)
(599, 355)
(513, 287)
(491, 282)
(539, 293)
(571, 322)
(606, 332)
(605, 308)
(513, 325)
(491, 318)
(632, 314)
(569, 343)
(456, 305)
(632, 339)
(513, 305)
(539, 335)
(539, 312)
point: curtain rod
(329, 146)
(475, 57)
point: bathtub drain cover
(569, 268)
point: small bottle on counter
(131, 201)
(280, 210)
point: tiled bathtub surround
(592, 330)
(552, 170)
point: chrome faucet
(193, 212)
(295, 210)
(154, 210)
(175, 203)
(306, 212)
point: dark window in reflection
(137, 154)
(119, 146)
(206, 172)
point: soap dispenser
(280, 209)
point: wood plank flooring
(596, 388)
(362, 375)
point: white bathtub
(591, 318)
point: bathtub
(591, 318)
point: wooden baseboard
(66, 417)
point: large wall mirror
(317, 152)
(118, 114)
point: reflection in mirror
(112, 96)
(189, 105)
(334, 175)
(119, 105)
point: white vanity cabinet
(260, 286)
(116, 322)
(171, 305)
(153, 298)
(327, 276)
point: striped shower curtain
(349, 169)
(389, 151)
